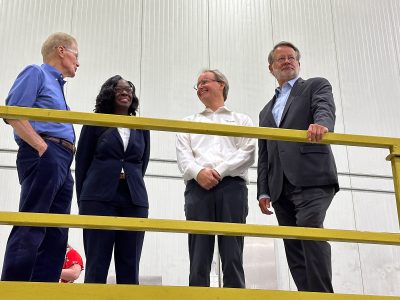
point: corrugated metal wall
(162, 46)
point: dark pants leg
(34, 253)
(127, 244)
(227, 202)
(50, 252)
(232, 207)
(199, 206)
(128, 248)
(309, 261)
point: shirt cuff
(193, 171)
(263, 196)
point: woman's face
(123, 97)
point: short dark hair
(220, 78)
(105, 99)
(283, 44)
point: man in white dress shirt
(215, 170)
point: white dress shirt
(125, 134)
(229, 156)
(282, 95)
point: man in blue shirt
(43, 162)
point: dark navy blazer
(304, 164)
(100, 157)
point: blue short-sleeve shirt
(42, 87)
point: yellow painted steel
(157, 225)
(13, 112)
(40, 291)
(394, 157)
(205, 128)
(34, 291)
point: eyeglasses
(283, 59)
(203, 82)
(72, 51)
(121, 89)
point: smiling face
(123, 97)
(210, 91)
(285, 65)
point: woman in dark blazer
(110, 166)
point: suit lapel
(270, 116)
(132, 137)
(293, 93)
(118, 137)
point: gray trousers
(309, 261)
(227, 202)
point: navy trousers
(99, 244)
(37, 253)
(227, 202)
(309, 261)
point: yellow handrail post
(394, 157)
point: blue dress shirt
(41, 87)
(282, 95)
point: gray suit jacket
(305, 165)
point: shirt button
(122, 160)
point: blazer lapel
(294, 92)
(132, 137)
(118, 137)
(269, 118)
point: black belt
(62, 142)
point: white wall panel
(240, 38)
(9, 200)
(170, 260)
(9, 196)
(369, 75)
(395, 23)
(380, 264)
(109, 38)
(175, 49)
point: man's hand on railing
(265, 204)
(316, 132)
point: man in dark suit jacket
(299, 179)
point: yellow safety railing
(34, 291)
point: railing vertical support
(394, 157)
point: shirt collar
(220, 109)
(55, 73)
(293, 81)
(289, 84)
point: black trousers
(309, 261)
(227, 202)
(99, 244)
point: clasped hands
(208, 178)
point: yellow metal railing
(18, 290)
